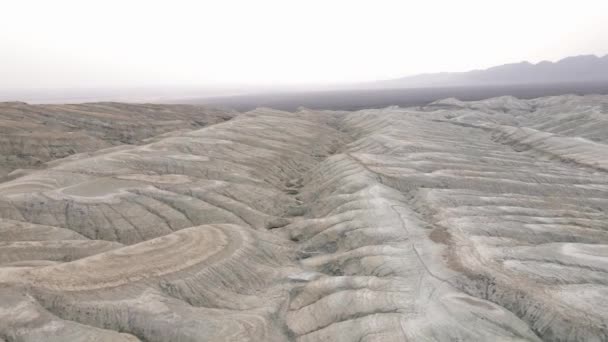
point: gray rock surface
(458, 221)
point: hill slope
(457, 221)
(35, 134)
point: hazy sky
(101, 43)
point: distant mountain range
(587, 68)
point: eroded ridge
(438, 224)
(167, 241)
(32, 135)
(470, 221)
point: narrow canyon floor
(456, 221)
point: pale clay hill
(32, 135)
(457, 221)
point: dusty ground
(457, 221)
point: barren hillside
(457, 221)
(34, 134)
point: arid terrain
(454, 221)
(32, 135)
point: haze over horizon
(70, 44)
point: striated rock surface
(31, 135)
(458, 221)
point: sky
(131, 43)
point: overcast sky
(109, 43)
